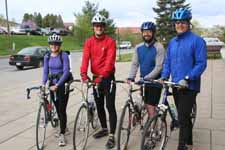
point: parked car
(29, 56)
(125, 45)
(3, 31)
(18, 30)
(59, 31)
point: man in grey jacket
(149, 55)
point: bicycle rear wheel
(54, 117)
(194, 114)
(95, 123)
(155, 134)
(41, 125)
(81, 128)
(124, 128)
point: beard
(147, 39)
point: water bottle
(173, 108)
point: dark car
(30, 56)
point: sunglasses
(181, 22)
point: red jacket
(101, 53)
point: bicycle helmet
(98, 19)
(55, 39)
(181, 14)
(148, 26)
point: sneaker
(62, 140)
(57, 133)
(101, 133)
(111, 142)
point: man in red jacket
(100, 50)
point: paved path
(209, 131)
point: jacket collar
(182, 35)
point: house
(124, 30)
(69, 26)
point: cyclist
(100, 50)
(149, 55)
(185, 62)
(57, 72)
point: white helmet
(98, 19)
(55, 39)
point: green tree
(164, 10)
(83, 27)
(27, 17)
(38, 20)
(197, 28)
(59, 21)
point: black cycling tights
(61, 104)
(109, 95)
(184, 100)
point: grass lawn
(124, 57)
(21, 41)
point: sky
(126, 13)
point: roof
(123, 30)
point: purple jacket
(53, 65)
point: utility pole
(7, 18)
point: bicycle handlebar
(32, 88)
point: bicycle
(133, 114)
(86, 115)
(46, 112)
(155, 132)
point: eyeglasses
(181, 22)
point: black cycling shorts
(152, 95)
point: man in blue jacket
(186, 60)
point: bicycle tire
(194, 114)
(124, 146)
(155, 131)
(76, 134)
(54, 117)
(41, 123)
(95, 123)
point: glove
(129, 80)
(183, 83)
(97, 80)
(84, 78)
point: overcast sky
(126, 13)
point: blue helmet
(148, 26)
(181, 14)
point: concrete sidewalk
(209, 130)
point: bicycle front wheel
(155, 134)
(81, 128)
(124, 128)
(41, 125)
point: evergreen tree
(38, 19)
(164, 10)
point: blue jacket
(186, 56)
(150, 59)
